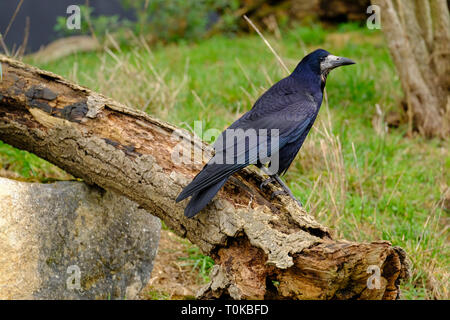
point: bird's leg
(285, 189)
(276, 177)
(266, 182)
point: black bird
(289, 106)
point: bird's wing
(284, 107)
(288, 111)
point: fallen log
(64, 47)
(263, 248)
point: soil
(172, 277)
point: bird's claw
(277, 193)
(299, 202)
(282, 191)
(266, 182)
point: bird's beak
(332, 62)
(340, 61)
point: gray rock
(67, 240)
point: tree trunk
(418, 36)
(262, 248)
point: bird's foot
(285, 192)
(277, 193)
(266, 182)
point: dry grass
(133, 79)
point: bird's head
(321, 62)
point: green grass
(157, 295)
(365, 184)
(198, 262)
(26, 166)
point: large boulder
(67, 240)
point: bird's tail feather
(200, 199)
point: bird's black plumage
(289, 106)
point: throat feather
(323, 79)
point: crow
(272, 132)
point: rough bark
(418, 36)
(262, 247)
